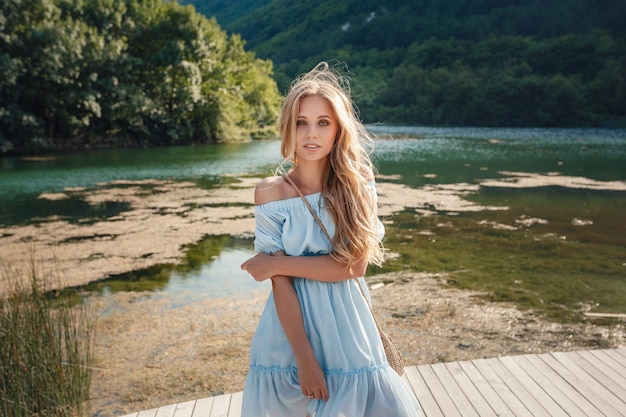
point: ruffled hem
(367, 392)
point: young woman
(317, 351)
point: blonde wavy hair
(348, 196)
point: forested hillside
(93, 73)
(454, 62)
(227, 11)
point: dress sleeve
(268, 231)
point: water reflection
(220, 278)
(210, 269)
(73, 209)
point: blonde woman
(316, 351)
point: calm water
(465, 155)
(418, 156)
(453, 154)
(23, 179)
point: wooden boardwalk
(583, 383)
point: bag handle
(394, 357)
(308, 205)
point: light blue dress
(339, 325)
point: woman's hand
(260, 266)
(312, 380)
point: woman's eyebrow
(323, 116)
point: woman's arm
(320, 268)
(310, 374)
(311, 377)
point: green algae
(559, 255)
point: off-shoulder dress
(339, 325)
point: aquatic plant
(46, 346)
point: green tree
(105, 72)
(470, 56)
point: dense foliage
(454, 62)
(80, 73)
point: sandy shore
(150, 354)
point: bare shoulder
(271, 189)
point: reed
(46, 346)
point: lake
(559, 244)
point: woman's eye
(324, 123)
(300, 123)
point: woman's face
(316, 129)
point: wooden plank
(543, 402)
(559, 390)
(606, 315)
(405, 379)
(236, 402)
(166, 411)
(613, 359)
(569, 390)
(518, 388)
(622, 353)
(512, 401)
(429, 405)
(608, 369)
(446, 404)
(220, 406)
(203, 407)
(486, 390)
(582, 382)
(454, 391)
(602, 375)
(184, 409)
(470, 391)
(576, 384)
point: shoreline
(165, 215)
(162, 218)
(149, 353)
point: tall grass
(46, 347)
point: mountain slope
(531, 62)
(226, 11)
(282, 29)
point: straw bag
(394, 357)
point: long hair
(348, 196)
